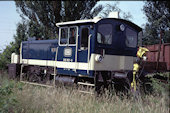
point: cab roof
(96, 20)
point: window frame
(101, 34)
(67, 44)
(84, 48)
(60, 37)
(126, 37)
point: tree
(6, 55)
(157, 13)
(39, 19)
(48, 13)
(21, 35)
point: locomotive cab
(116, 42)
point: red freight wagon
(164, 57)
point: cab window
(68, 35)
(84, 37)
(131, 38)
(72, 35)
(104, 34)
(64, 36)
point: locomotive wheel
(45, 79)
(25, 76)
(97, 86)
(34, 78)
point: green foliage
(157, 13)
(75, 10)
(161, 87)
(37, 30)
(7, 99)
(16, 97)
(46, 14)
(43, 15)
(20, 36)
(6, 55)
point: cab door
(83, 49)
(67, 50)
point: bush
(7, 99)
(160, 83)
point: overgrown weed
(63, 99)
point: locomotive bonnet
(94, 51)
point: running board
(86, 84)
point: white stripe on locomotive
(109, 63)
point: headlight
(122, 27)
(99, 58)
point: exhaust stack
(113, 15)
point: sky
(8, 22)
(9, 17)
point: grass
(34, 99)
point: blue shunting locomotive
(95, 51)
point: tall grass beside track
(23, 98)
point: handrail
(55, 64)
(88, 52)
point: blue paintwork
(82, 54)
(73, 73)
(41, 49)
(61, 53)
(118, 46)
